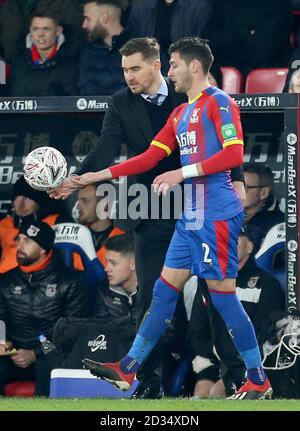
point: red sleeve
(139, 164)
(162, 146)
(228, 158)
(225, 114)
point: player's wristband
(190, 171)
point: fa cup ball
(45, 168)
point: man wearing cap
(25, 201)
(33, 297)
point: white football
(45, 168)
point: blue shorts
(209, 252)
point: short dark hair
(264, 173)
(120, 243)
(116, 3)
(147, 46)
(194, 48)
(43, 12)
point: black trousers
(39, 372)
(151, 239)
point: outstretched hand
(163, 182)
(91, 177)
(76, 182)
(64, 190)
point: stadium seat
(270, 256)
(232, 80)
(19, 389)
(268, 80)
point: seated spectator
(14, 17)
(294, 83)
(100, 61)
(49, 66)
(120, 269)
(260, 294)
(93, 214)
(33, 297)
(26, 202)
(262, 208)
(115, 315)
(168, 21)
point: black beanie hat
(39, 232)
(21, 188)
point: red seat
(268, 80)
(232, 80)
(19, 389)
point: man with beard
(33, 297)
(25, 201)
(100, 62)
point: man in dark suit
(134, 119)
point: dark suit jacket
(127, 122)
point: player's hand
(23, 358)
(163, 182)
(3, 347)
(64, 190)
(91, 177)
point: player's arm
(162, 146)
(225, 115)
(228, 126)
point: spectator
(168, 21)
(115, 315)
(134, 120)
(26, 202)
(100, 62)
(255, 41)
(93, 214)
(262, 208)
(48, 67)
(120, 269)
(294, 83)
(261, 296)
(33, 297)
(14, 20)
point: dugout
(71, 124)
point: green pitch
(166, 404)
